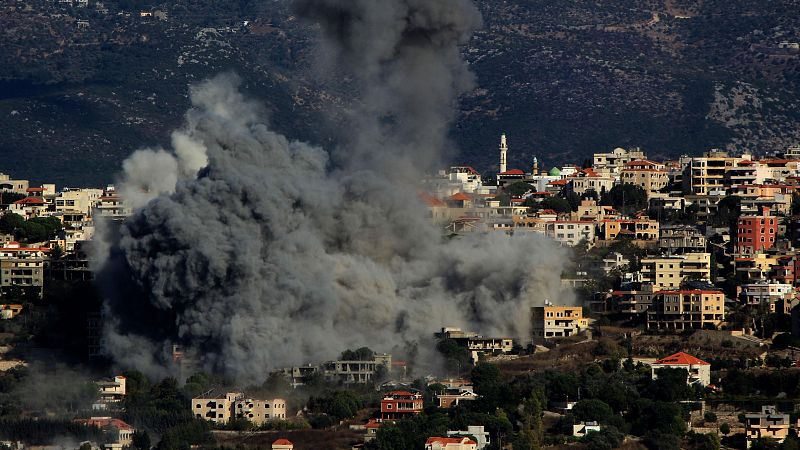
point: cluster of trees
(361, 354)
(334, 407)
(37, 229)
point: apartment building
(613, 162)
(77, 200)
(112, 206)
(779, 297)
(648, 175)
(680, 239)
(668, 272)
(632, 302)
(641, 229)
(398, 405)
(769, 423)
(22, 267)
(217, 408)
(686, 309)
(706, 175)
(556, 321)
(588, 180)
(698, 371)
(571, 232)
(755, 233)
(221, 408)
(260, 411)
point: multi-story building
(556, 321)
(398, 405)
(260, 411)
(756, 233)
(357, 372)
(111, 392)
(640, 229)
(613, 162)
(705, 176)
(631, 302)
(450, 443)
(77, 200)
(217, 408)
(698, 371)
(571, 232)
(650, 176)
(668, 272)
(588, 180)
(221, 408)
(686, 309)
(476, 344)
(22, 267)
(769, 423)
(112, 206)
(680, 239)
(779, 297)
(15, 186)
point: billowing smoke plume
(255, 252)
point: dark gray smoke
(270, 256)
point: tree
(141, 440)
(728, 210)
(484, 376)
(456, 357)
(592, 410)
(518, 189)
(361, 354)
(557, 204)
(725, 429)
(626, 198)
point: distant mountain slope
(80, 89)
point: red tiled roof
(30, 201)
(104, 422)
(430, 200)
(459, 197)
(681, 359)
(282, 441)
(512, 172)
(558, 182)
(445, 441)
(746, 162)
(548, 211)
(34, 189)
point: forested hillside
(80, 88)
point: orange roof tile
(445, 441)
(30, 201)
(512, 172)
(430, 200)
(282, 441)
(681, 359)
(459, 197)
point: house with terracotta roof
(699, 371)
(282, 444)
(588, 180)
(450, 443)
(29, 207)
(120, 433)
(648, 175)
